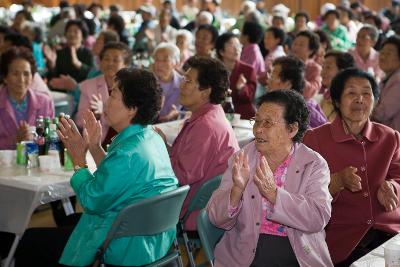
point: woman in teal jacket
(136, 167)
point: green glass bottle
(68, 165)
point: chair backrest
(209, 234)
(200, 199)
(150, 216)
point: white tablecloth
(376, 257)
(243, 131)
(22, 190)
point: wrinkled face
(181, 42)
(190, 96)
(331, 21)
(364, 41)
(389, 58)
(270, 129)
(344, 17)
(203, 43)
(74, 36)
(275, 82)
(232, 50)
(301, 23)
(270, 42)
(98, 45)
(320, 55)
(19, 76)
(146, 16)
(300, 48)
(112, 62)
(117, 115)
(329, 70)
(357, 100)
(278, 22)
(19, 19)
(163, 64)
(164, 19)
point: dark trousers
(60, 218)
(372, 239)
(39, 246)
(274, 251)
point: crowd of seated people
(318, 186)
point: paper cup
(236, 119)
(49, 162)
(392, 254)
(7, 158)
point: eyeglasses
(263, 123)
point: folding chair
(148, 217)
(209, 235)
(198, 202)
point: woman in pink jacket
(20, 106)
(95, 92)
(273, 200)
(387, 111)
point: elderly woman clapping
(363, 158)
(274, 201)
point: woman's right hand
(349, 179)
(50, 55)
(240, 171)
(240, 177)
(23, 132)
(92, 130)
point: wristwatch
(80, 166)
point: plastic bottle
(228, 107)
(32, 149)
(41, 136)
(53, 141)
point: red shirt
(201, 151)
(377, 158)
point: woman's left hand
(264, 179)
(73, 141)
(387, 196)
(75, 61)
(241, 82)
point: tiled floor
(44, 218)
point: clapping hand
(50, 55)
(74, 56)
(23, 132)
(387, 196)
(65, 82)
(240, 177)
(92, 130)
(241, 82)
(265, 181)
(73, 141)
(96, 105)
(349, 179)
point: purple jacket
(317, 116)
(387, 111)
(39, 104)
(303, 205)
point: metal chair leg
(7, 261)
(179, 259)
(189, 249)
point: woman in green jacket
(136, 167)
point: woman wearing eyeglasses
(273, 200)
